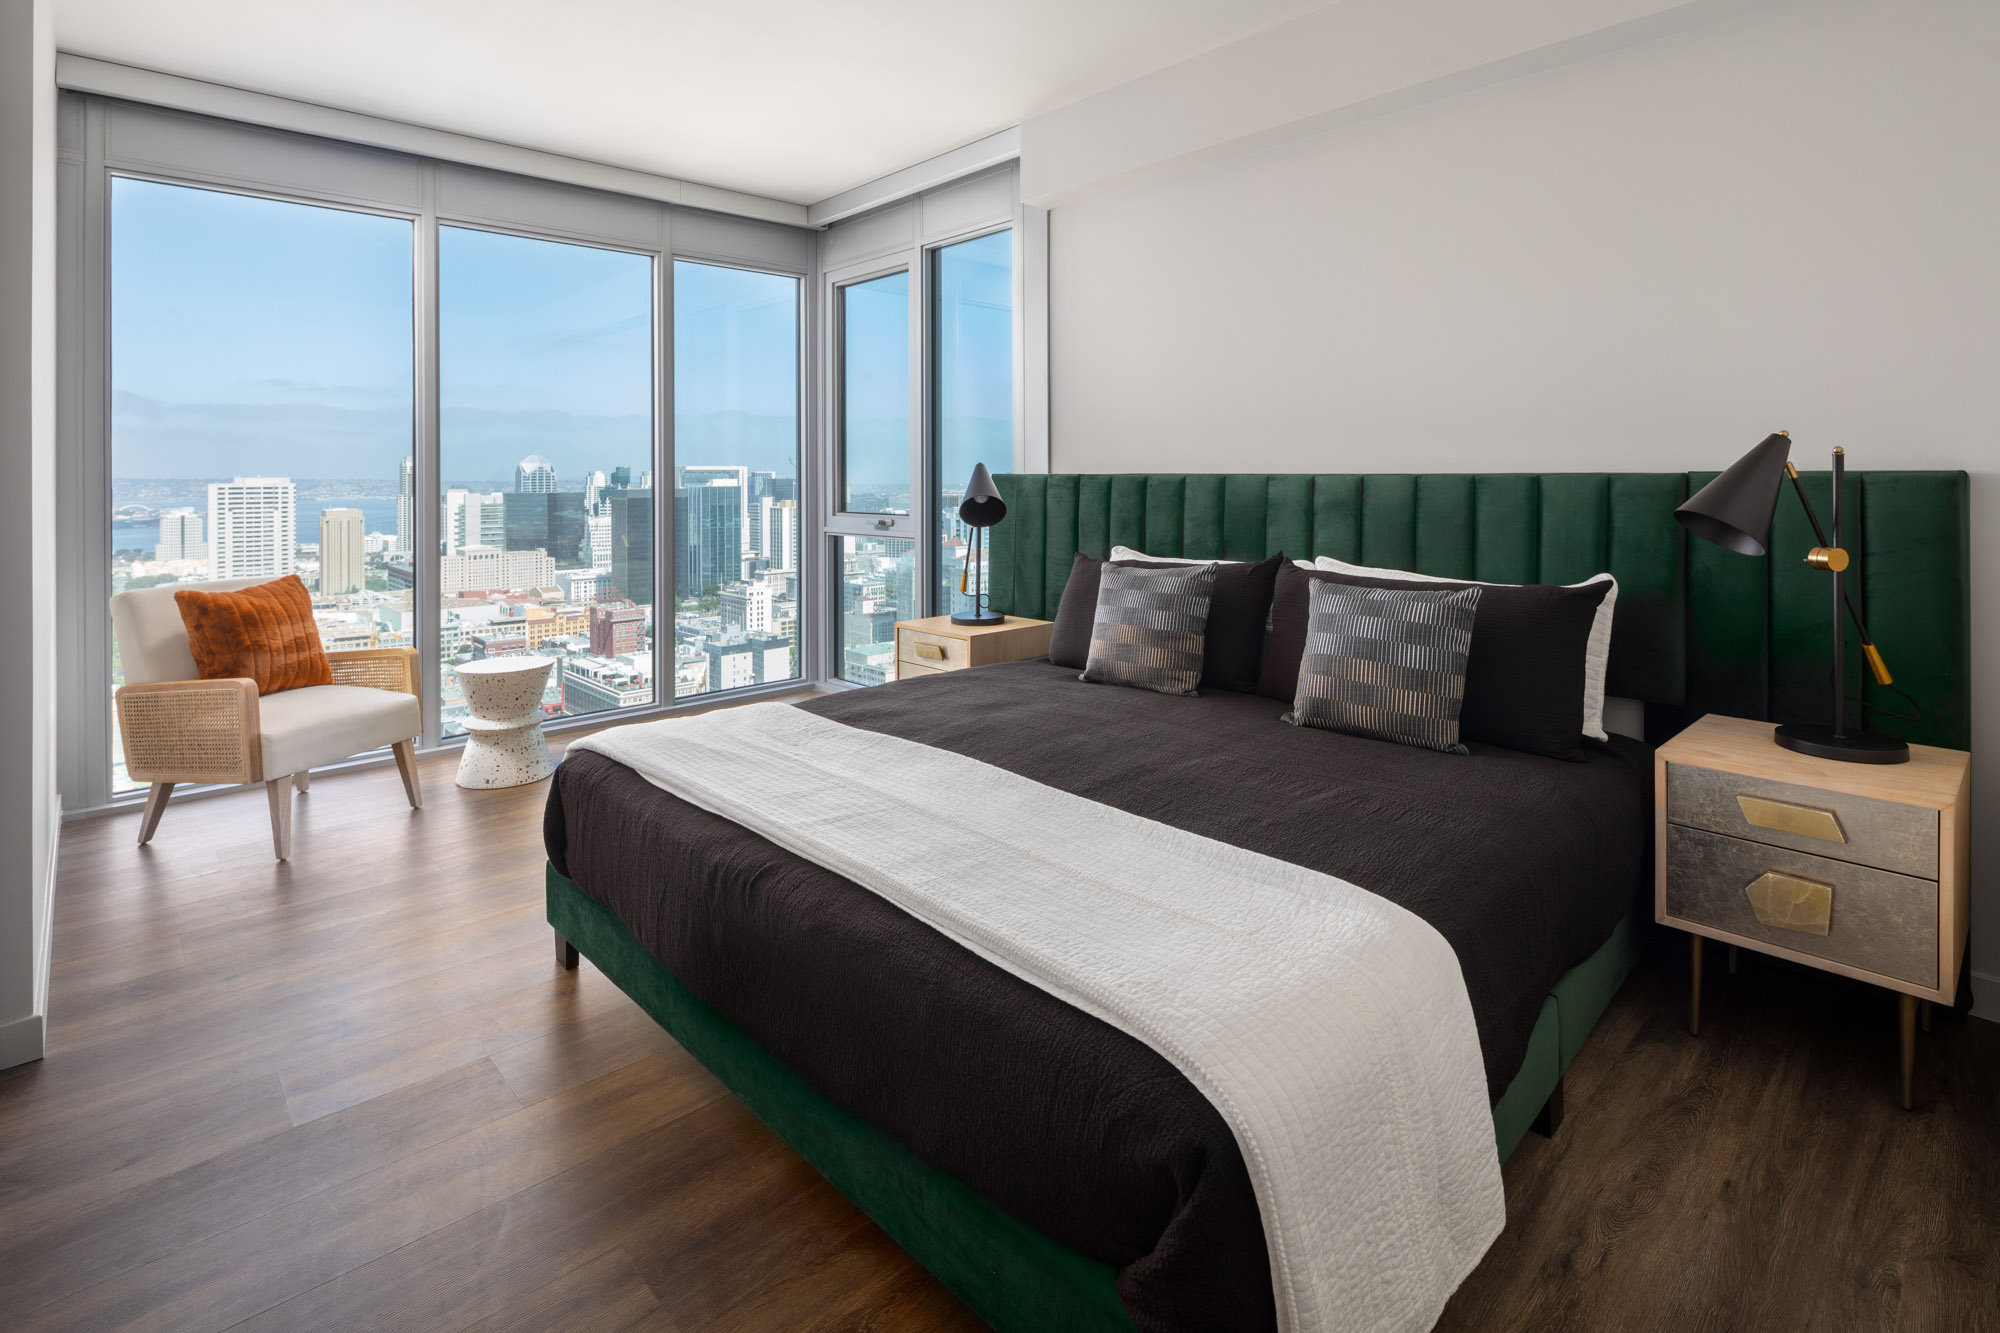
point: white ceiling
(792, 99)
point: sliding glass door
(546, 544)
(261, 403)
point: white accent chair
(178, 728)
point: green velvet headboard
(1698, 630)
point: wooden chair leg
(566, 954)
(406, 764)
(156, 805)
(303, 779)
(278, 791)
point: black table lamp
(1734, 511)
(981, 508)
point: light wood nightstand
(924, 647)
(1858, 869)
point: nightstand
(1858, 869)
(924, 647)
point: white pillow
(1596, 654)
(1127, 553)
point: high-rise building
(621, 479)
(555, 521)
(474, 518)
(632, 546)
(775, 538)
(534, 475)
(598, 528)
(343, 563)
(253, 528)
(593, 684)
(180, 536)
(746, 607)
(484, 567)
(617, 628)
(594, 483)
(406, 499)
(708, 530)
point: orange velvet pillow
(265, 632)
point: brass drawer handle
(1801, 820)
(1787, 902)
(931, 652)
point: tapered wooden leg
(406, 764)
(1924, 1014)
(156, 805)
(303, 779)
(566, 954)
(1732, 960)
(1907, 1016)
(1694, 990)
(278, 791)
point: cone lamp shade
(1734, 511)
(981, 508)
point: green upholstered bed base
(1013, 1276)
(1698, 629)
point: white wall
(1644, 259)
(27, 500)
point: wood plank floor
(354, 1091)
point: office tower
(484, 568)
(597, 530)
(581, 585)
(776, 537)
(708, 529)
(632, 546)
(739, 477)
(343, 563)
(534, 475)
(551, 520)
(473, 518)
(646, 480)
(746, 607)
(253, 528)
(594, 483)
(180, 537)
(406, 499)
(621, 479)
(617, 627)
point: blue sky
(257, 336)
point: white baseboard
(22, 1040)
(1986, 996)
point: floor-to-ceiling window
(972, 391)
(545, 367)
(261, 402)
(736, 478)
(875, 582)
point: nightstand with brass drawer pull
(925, 647)
(1855, 869)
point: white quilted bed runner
(1329, 1026)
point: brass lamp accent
(1734, 511)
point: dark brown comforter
(1524, 864)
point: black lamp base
(1856, 747)
(984, 618)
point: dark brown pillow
(1233, 646)
(1523, 679)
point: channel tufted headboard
(1698, 629)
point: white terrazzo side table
(504, 745)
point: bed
(1052, 1170)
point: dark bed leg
(1551, 1117)
(566, 954)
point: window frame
(933, 603)
(101, 138)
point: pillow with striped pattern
(1386, 663)
(1149, 628)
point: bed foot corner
(1549, 1119)
(566, 954)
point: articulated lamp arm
(1832, 558)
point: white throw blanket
(1329, 1026)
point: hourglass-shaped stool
(504, 746)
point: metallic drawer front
(1884, 834)
(939, 652)
(1874, 920)
(907, 670)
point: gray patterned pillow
(1387, 663)
(1149, 625)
